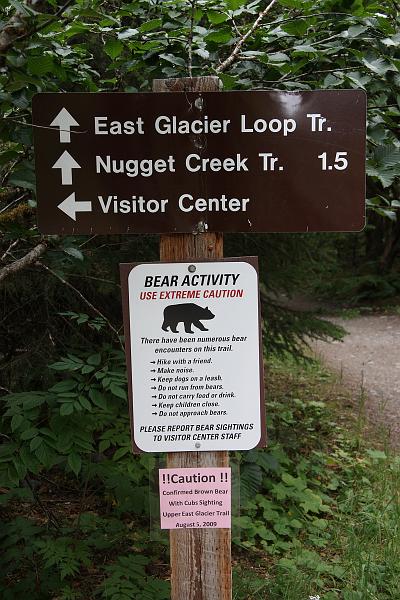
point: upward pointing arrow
(66, 163)
(64, 121)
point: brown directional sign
(186, 162)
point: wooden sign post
(238, 162)
(200, 558)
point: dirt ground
(368, 359)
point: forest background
(64, 429)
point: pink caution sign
(195, 498)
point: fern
(66, 554)
(127, 579)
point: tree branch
(16, 28)
(232, 57)
(23, 197)
(44, 25)
(190, 37)
(25, 261)
(85, 300)
(10, 247)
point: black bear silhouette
(190, 314)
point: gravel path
(369, 358)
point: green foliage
(62, 558)
(127, 579)
(78, 430)
(287, 494)
(96, 47)
(301, 499)
(82, 416)
(345, 542)
(358, 289)
(76, 502)
(65, 554)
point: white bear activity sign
(193, 352)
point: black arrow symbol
(154, 396)
(153, 379)
(153, 388)
(153, 362)
(153, 413)
(152, 371)
(154, 404)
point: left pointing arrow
(64, 121)
(70, 206)
(66, 163)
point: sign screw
(197, 445)
(199, 103)
(191, 268)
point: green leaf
(297, 28)
(229, 81)
(387, 178)
(36, 442)
(301, 4)
(94, 359)
(66, 409)
(76, 28)
(267, 461)
(387, 156)
(97, 398)
(34, 400)
(22, 8)
(45, 455)
(85, 403)
(216, 17)
(118, 391)
(278, 57)
(219, 37)
(360, 80)
(71, 363)
(121, 452)
(175, 60)
(249, 483)
(8, 156)
(392, 41)
(127, 33)
(305, 49)
(380, 66)
(104, 445)
(64, 386)
(202, 52)
(281, 528)
(150, 25)
(20, 468)
(113, 48)
(41, 65)
(234, 4)
(377, 454)
(296, 524)
(23, 176)
(354, 31)
(74, 252)
(29, 433)
(16, 422)
(311, 502)
(384, 212)
(75, 462)
(296, 482)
